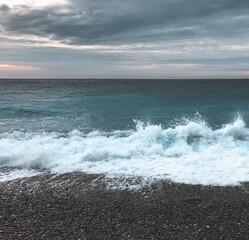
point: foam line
(187, 153)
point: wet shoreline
(79, 206)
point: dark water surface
(87, 105)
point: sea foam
(187, 153)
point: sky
(166, 39)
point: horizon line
(173, 79)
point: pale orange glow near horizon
(9, 67)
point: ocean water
(186, 131)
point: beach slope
(77, 206)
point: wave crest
(188, 153)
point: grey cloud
(208, 61)
(131, 21)
(4, 8)
(159, 37)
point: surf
(190, 152)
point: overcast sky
(124, 39)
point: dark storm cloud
(132, 21)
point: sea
(184, 131)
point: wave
(6, 111)
(191, 152)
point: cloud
(127, 37)
(133, 21)
(4, 8)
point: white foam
(188, 153)
(16, 174)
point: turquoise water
(190, 131)
(87, 105)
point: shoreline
(78, 206)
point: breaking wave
(191, 152)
